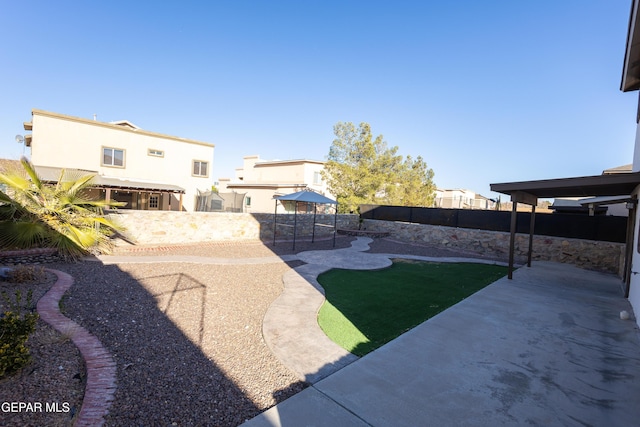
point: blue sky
(485, 92)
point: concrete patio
(547, 348)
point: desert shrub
(26, 274)
(16, 324)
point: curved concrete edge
(361, 244)
(447, 259)
(100, 366)
(290, 327)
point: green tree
(362, 169)
(33, 213)
(414, 184)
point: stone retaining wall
(29, 256)
(166, 227)
(169, 227)
(590, 254)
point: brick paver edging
(101, 368)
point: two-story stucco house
(262, 180)
(147, 170)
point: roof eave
(631, 66)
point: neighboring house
(261, 180)
(147, 170)
(619, 169)
(462, 199)
(573, 205)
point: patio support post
(528, 199)
(531, 227)
(512, 238)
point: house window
(154, 201)
(317, 178)
(112, 157)
(200, 168)
(248, 201)
(155, 153)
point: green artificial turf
(366, 309)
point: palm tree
(61, 216)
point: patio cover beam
(621, 184)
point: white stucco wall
(634, 289)
(64, 142)
(636, 152)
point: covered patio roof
(127, 184)
(621, 184)
(52, 174)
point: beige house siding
(70, 142)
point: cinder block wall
(590, 254)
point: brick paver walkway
(101, 368)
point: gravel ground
(187, 338)
(246, 249)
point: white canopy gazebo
(305, 196)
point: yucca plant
(61, 215)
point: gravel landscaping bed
(244, 249)
(55, 376)
(187, 339)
